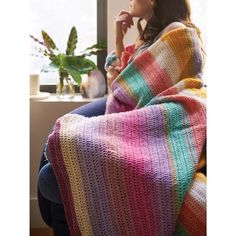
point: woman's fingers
(109, 78)
(113, 70)
(125, 19)
(124, 12)
(111, 75)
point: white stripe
(166, 59)
(198, 191)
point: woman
(161, 16)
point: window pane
(57, 17)
(198, 13)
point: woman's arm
(122, 22)
(115, 60)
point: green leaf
(95, 49)
(59, 60)
(79, 63)
(48, 41)
(75, 74)
(101, 45)
(90, 53)
(49, 68)
(87, 66)
(73, 65)
(72, 41)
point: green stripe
(190, 138)
(179, 150)
(137, 85)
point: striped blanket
(134, 170)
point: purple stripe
(162, 170)
(90, 166)
(196, 58)
(110, 176)
(121, 94)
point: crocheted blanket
(133, 171)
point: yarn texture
(134, 170)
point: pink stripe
(149, 69)
(141, 216)
(152, 218)
(131, 175)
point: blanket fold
(133, 171)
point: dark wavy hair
(164, 13)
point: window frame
(101, 35)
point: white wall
(113, 9)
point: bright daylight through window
(57, 17)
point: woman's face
(141, 8)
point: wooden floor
(41, 232)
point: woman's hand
(112, 73)
(122, 22)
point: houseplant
(69, 66)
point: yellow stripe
(199, 92)
(200, 177)
(76, 180)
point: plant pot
(65, 88)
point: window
(57, 17)
(198, 16)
